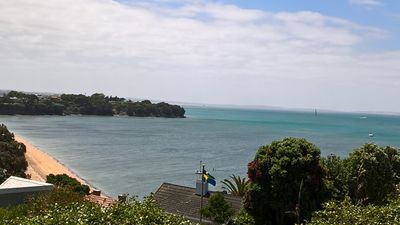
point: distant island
(20, 103)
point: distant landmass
(20, 103)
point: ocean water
(136, 155)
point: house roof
(101, 200)
(183, 201)
(18, 184)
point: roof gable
(20, 185)
(18, 182)
(183, 201)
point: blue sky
(326, 54)
(385, 14)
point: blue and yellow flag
(208, 178)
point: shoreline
(41, 164)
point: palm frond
(235, 185)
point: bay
(136, 155)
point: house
(15, 190)
(100, 199)
(185, 201)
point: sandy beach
(41, 164)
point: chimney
(198, 184)
(96, 192)
(122, 197)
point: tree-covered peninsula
(15, 102)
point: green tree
(12, 155)
(236, 185)
(346, 213)
(97, 104)
(3, 175)
(243, 218)
(373, 173)
(218, 209)
(336, 177)
(67, 182)
(276, 174)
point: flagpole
(202, 193)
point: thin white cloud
(199, 52)
(367, 3)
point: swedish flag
(208, 178)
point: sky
(327, 54)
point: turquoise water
(135, 155)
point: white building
(15, 190)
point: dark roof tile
(183, 201)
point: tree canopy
(347, 213)
(218, 209)
(288, 179)
(279, 174)
(67, 182)
(97, 104)
(64, 207)
(373, 173)
(12, 155)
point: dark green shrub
(336, 177)
(373, 173)
(218, 209)
(67, 182)
(12, 155)
(41, 202)
(243, 218)
(275, 178)
(10, 213)
(87, 213)
(346, 213)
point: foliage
(146, 212)
(67, 182)
(346, 213)
(28, 104)
(9, 213)
(243, 218)
(362, 184)
(218, 209)
(3, 175)
(12, 155)
(373, 173)
(336, 177)
(36, 204)
(61, 196)
(369, 175)
(97, 104)
(88, 213)
(236, 185)
(275, 176)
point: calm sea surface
(136, 155)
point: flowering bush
(276, 175)
(88, 213)
(346, 213)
